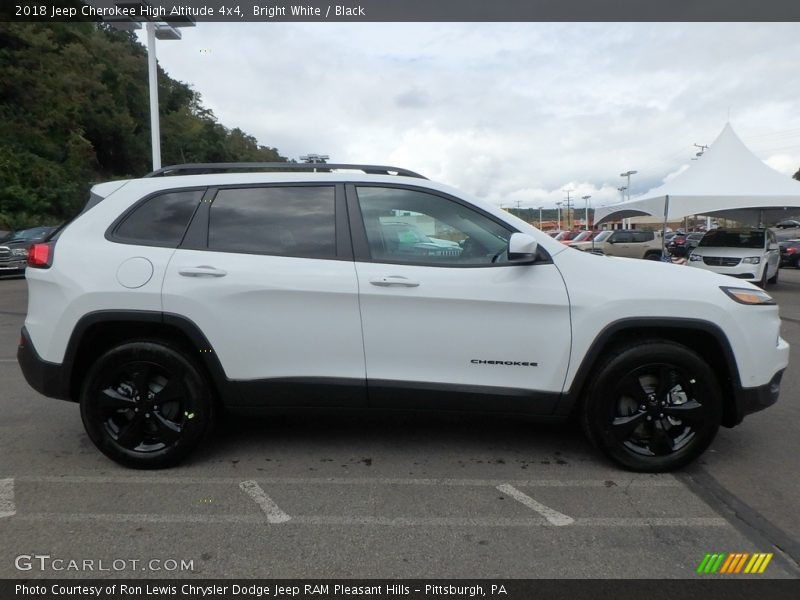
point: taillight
(40, 256)
(791, 250)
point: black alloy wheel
(654, 406)
(145, 405)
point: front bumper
(750, 400)
(49, 379)
(747, 271)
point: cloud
(508, 112)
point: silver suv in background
(628, 243)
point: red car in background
(584, 236)
(566, 236)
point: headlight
(753, 260)
(19, 252)
(748, 296)
(695, 257)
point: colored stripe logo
(734, 563)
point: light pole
(540, 217)
(162, 29)
(586, 215)
(621, 191)
(558, 213)
(569, 207)
(628, 185)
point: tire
(653, 406)
(146, 405)
(774, 278)
(763, 282)
(652, 256)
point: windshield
(582, 236)
(732, 239)
(603, 235)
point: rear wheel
(146, 405)
(654, 406)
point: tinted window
(419, 228)
(642, 236)
(287, 221)
(623, 237)
(161, 220)
(720, 238)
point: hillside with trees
(74, 110)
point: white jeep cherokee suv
(170, 297)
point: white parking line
(7, 507)
(272, 510)
(643, 481)
(8, 360)
(380, 521)
(553, 516)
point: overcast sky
(507, 112)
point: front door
(448, 322)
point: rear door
(266, 273)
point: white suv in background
(172, 296)
(749, 254)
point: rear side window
(160, 220)
(284, 221)
(621, 237)
(643, 236)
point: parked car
(567, 235)
(683, 243)
(583, 236)
(594, 242)
(630, 243)
(261, 291)
(14, 248)
(788, 224)
(749, 254)
(407, 238)
(790, 253)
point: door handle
(202, 271)
(388, 280)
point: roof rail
(200, 168)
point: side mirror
(522, 248)
(610, 240)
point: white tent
(727, 181)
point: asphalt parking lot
(388, 496)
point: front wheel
(653, 406)
(146, 405)
(762, 283)
(774, 279)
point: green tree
(74, 110)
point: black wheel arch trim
(55, 380)
(735, 397)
